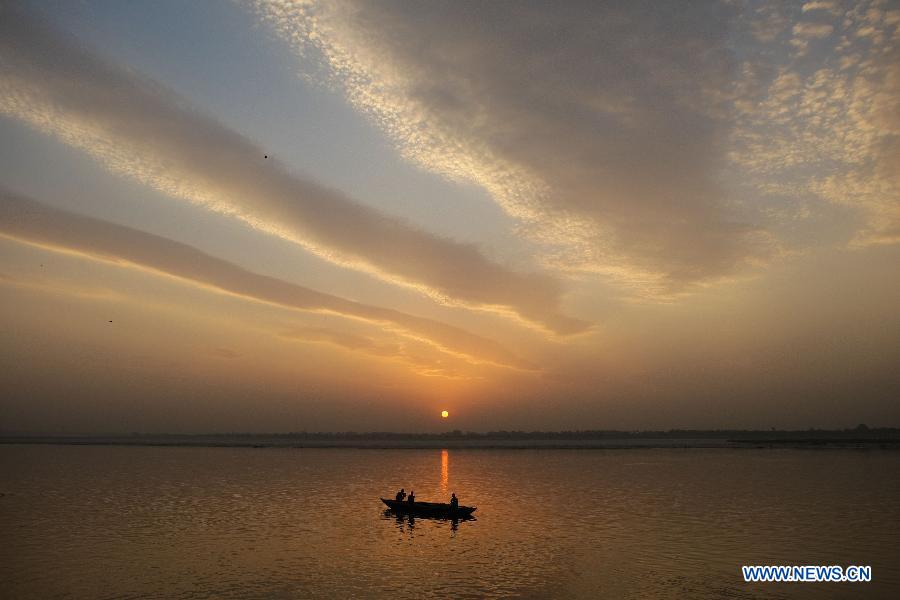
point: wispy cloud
(599, 125)
(423, 362)
(45, 285)
(29, 221)
(138, 128)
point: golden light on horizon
(444, 414)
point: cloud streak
(419, 359)
(600, 125)
(29, 221)
(136, 127)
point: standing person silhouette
(412, 496)
(454, 501)
(400, 495)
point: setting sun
(444, 414)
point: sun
(444, 414)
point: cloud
(29, 221)
(54, 287)
(420, 359)
(598, 125)
(812, 30)
(826, 5)
(768, 22)
(138, 128)
(826, 125)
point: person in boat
(400, 495)
(412, 496)
(454, 501)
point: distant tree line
(858, 432)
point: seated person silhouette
(400, 495)
(412, 496)
(454, 501)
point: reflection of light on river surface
(251, 521)
(445, 471)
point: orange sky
(284, 216)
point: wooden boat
(430, 509)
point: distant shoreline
(595, 440)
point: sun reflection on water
(445, 471)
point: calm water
(115, 522)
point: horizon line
(455, 433)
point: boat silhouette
(430, 509)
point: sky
(293, 215)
